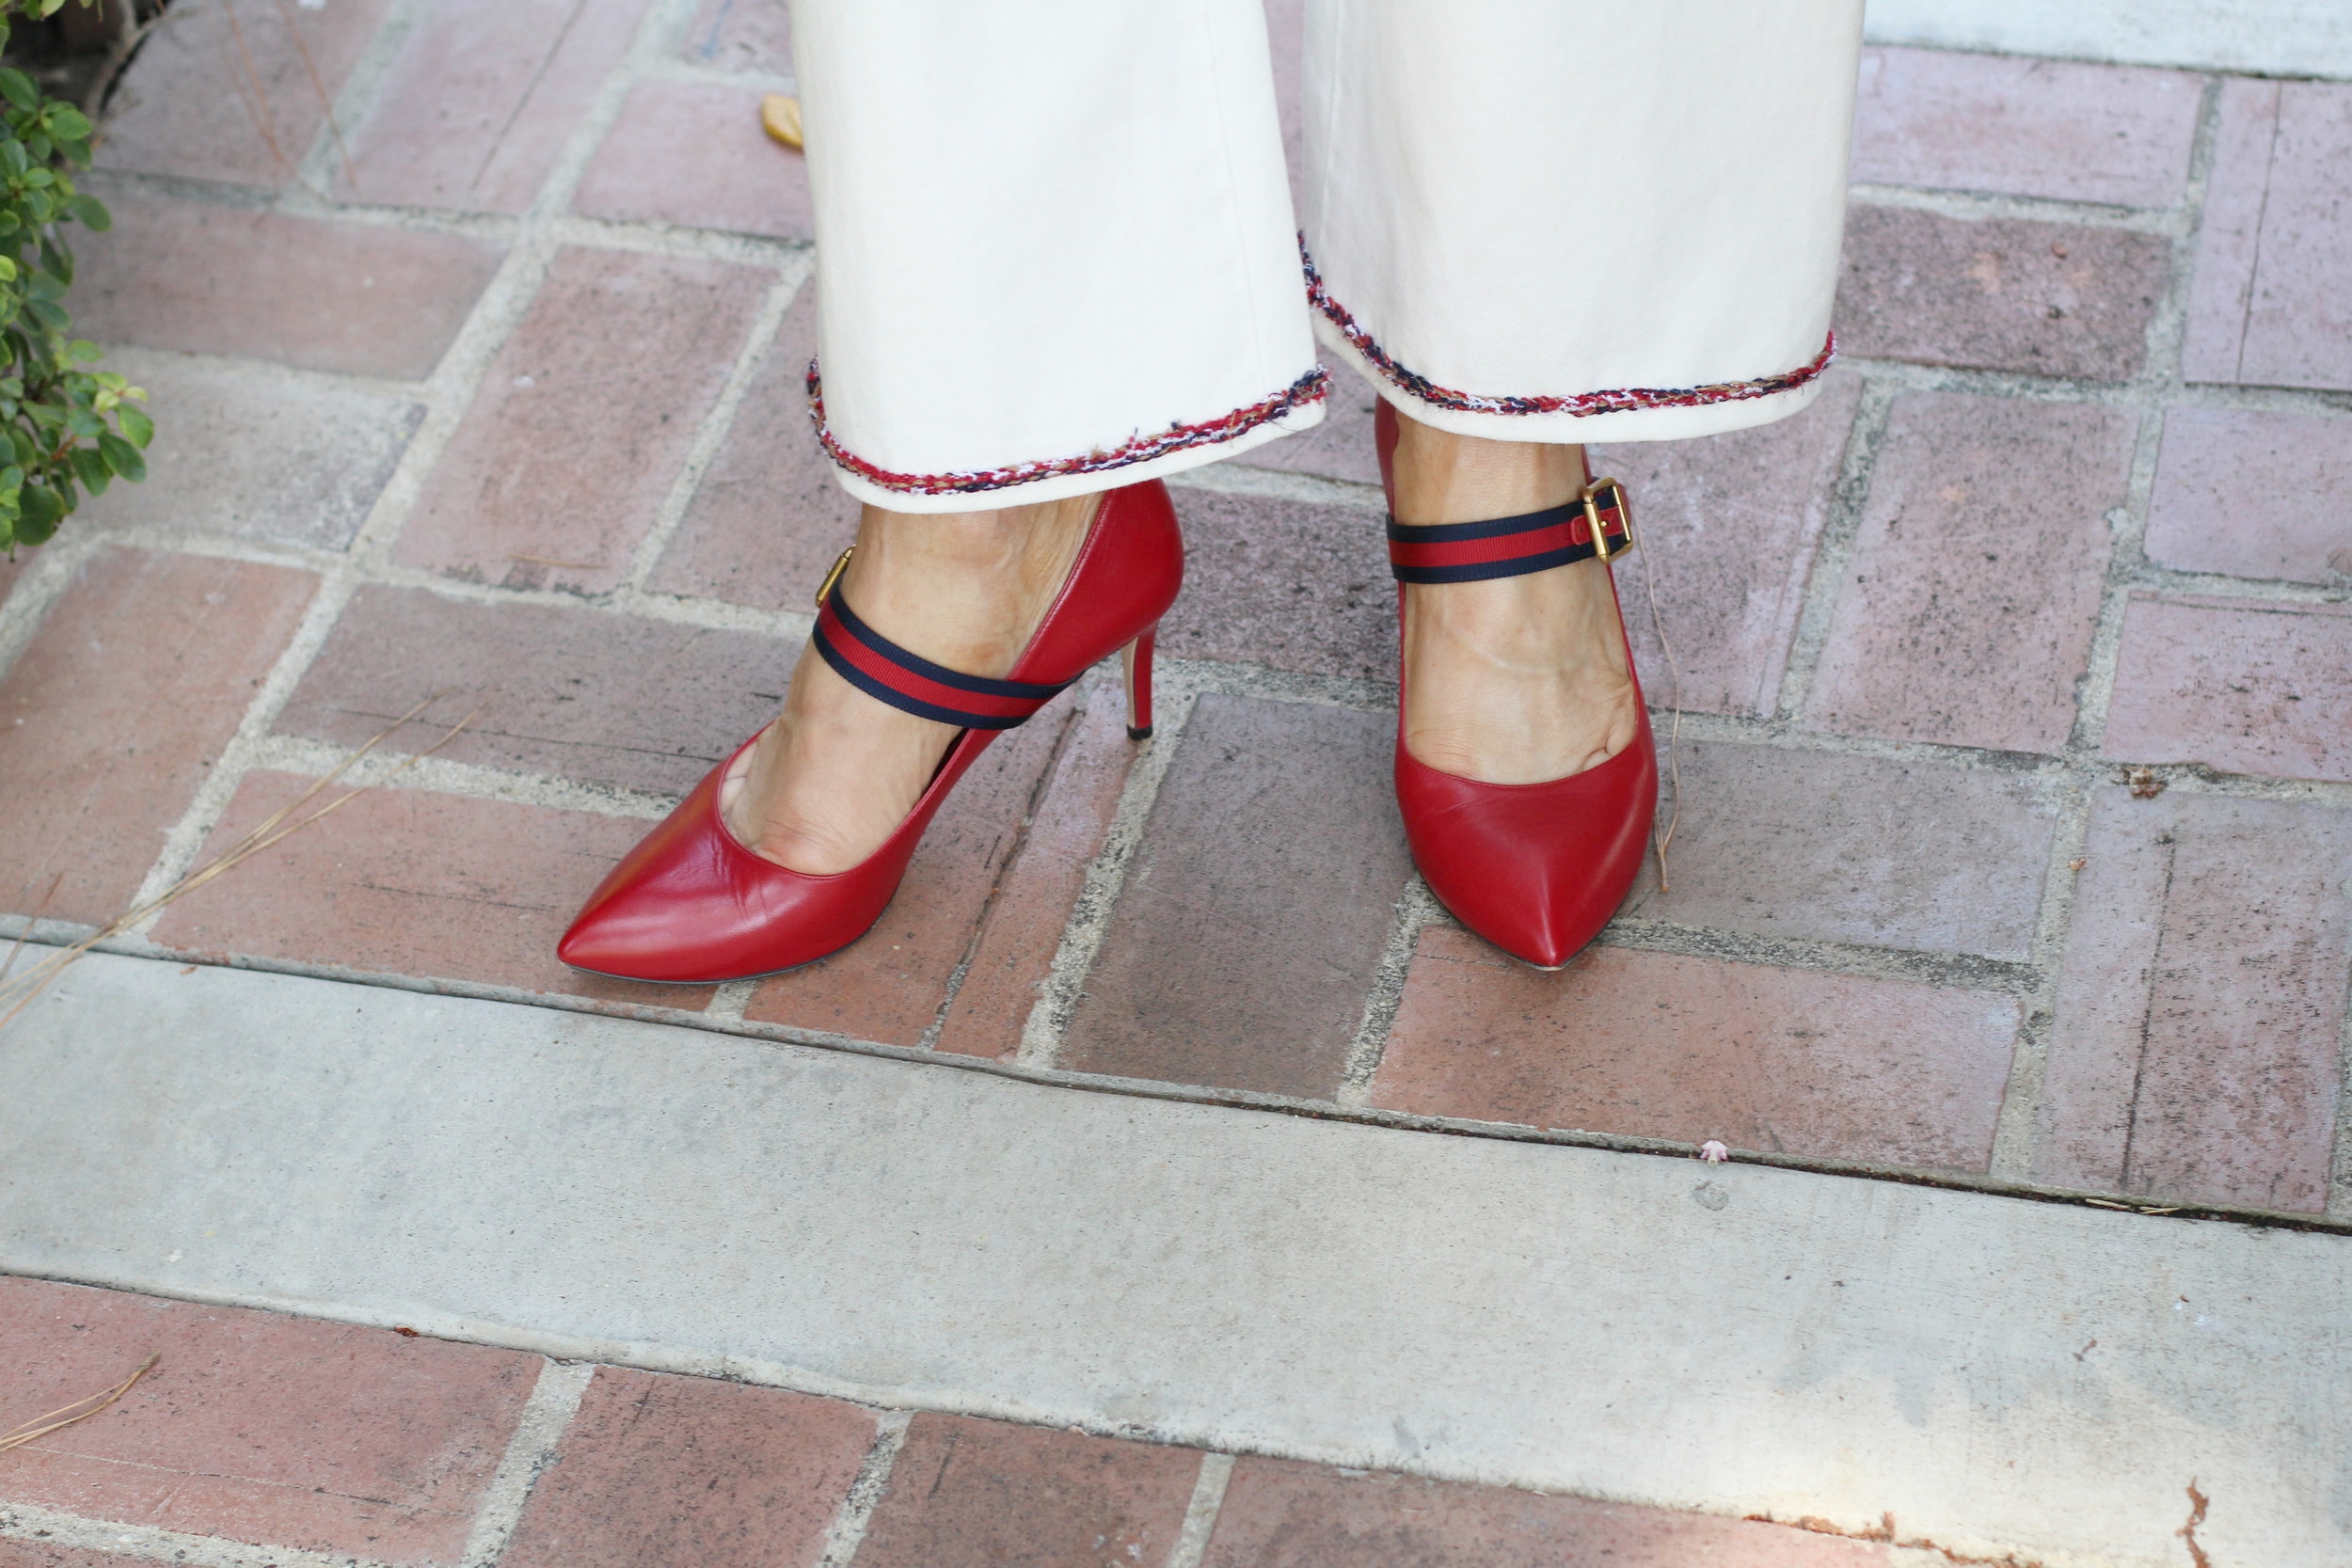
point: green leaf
(136, 425)
(12, 157)
(93, 213)
(91, 465)
(68, 123)
(40, 513)
(48, 315)
(122, 458)
(45, 285)
(18, 88)
(86, 425)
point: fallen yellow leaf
(780, 116)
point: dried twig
(1673, 762)
(30, 921)
(259, 105)
(129, 35)
(318, 84)
(18, 994)
(80, 1410)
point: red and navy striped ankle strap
(911, 683)
(1600, 522)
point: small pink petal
(1713, 1152)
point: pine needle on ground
(18, 994)
(80, 1410)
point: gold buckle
(824, 588)
(1624, 510)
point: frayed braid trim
(1618, 401)
(1307, 389)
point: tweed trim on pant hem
(1307, 389)
(1616, 400)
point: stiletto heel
(691, 905)
(1136, 664)
(1537, 869)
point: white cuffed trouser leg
(1570, 220)
(1056, 250)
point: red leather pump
(691, 904)
(1537, 869)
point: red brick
(1340, 448)
(401, 882)
(1032, 899)
(768, 519)
(658, 1469)
(1657, 1045)
(1999, 293)
(124, 698)
(2229, 239)
(2200, 1003)
(2271, 303)
(1284, 583)
(256, 1426)
(2245, 687)
(2016, 126)
(889, 986)
(741, 35)
(478, 103)
(693, 154)
(1730, 524)
(1816, 847)
(1281, 1513)
(599, 698)
(197, 95)
(253, 453)
(2253, 495)
(361, 299)
(1970, 600)
(583, 422)
(966, 1492)
(1254, 914)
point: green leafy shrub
(68, 430)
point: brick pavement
(511, 414)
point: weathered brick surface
(767, 519)
(222, 92)
(1247, 934)
(1969, 603)
(1032, 898)
(1340, 447)
(1727, 529)
(1824, 847)
(2024, 127)
(583, 422)
(110, 718)
(1663, 1046)
(477, 107)
(890, 985)
(1998, 293)
(965, 1491)
(39, 1554)
(2245, 688)
(2271, 303)
(1280, 1514)
(599, 698)
(657, 1469)
(694, 154)
(1279, 582)
(249, 451)
(2253, 494)
(361, 299)
(403, 881)
(741, 35)
(2201, 1005)
(256, 1426)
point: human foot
(836, 772)
(1520, 680)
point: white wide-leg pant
(1056, 251)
